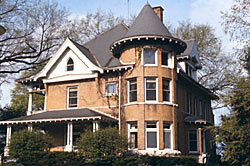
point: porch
(64, 126)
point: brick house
(140, 78)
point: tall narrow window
(200, 108)
(203, 134)
(167, 135)
(72, 97)
(111, 88)
(151, 135)
(164, 58)
(149, 56)
(193, 140)
(132, 89)
(195, 106)
(133, 135)
(205, 111)
(151, 88)
(189, 103)
(166, 89)
(70, 65)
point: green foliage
(233, 134)
(25, 141)
(42, 158)
(104, 143)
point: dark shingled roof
(61, 114)
(147, 23)
(187, 52)
(86, 52)
(100, 45)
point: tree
(234, 130)
(236, 21)
(20, 97)
(27, 141)
(34, 29)
(93, 24)
(218, 70)
(104, 143)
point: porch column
(200, 140)
(30, 127)
(69, 146)
(96, 125)
(8, 136)
(29, 111)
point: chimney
(159, 12)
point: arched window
(70, 65)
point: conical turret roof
(147, 23)
(146, 28)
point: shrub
(50, 158)
(103, 144)
(26, 141)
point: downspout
(119, 103)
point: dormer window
(70, 65)
(149, 56)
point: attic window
(70, 65)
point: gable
(55, 70)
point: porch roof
(59, 116)
(196, 120)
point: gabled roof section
(191, 53)
(83, 53)
(99, 46)
(147, 23)
(87, 53)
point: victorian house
(139, 78)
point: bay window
(133, 135)
(167, 135)
(166, 89)
(132, 90)
(149, 56)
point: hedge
(72, 158)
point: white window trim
(171, 136)
(197, 141)
(68, 97)
(128, 84)
(169, 61)
(132, 130)
(156, 52)
(157, 135)
(145, 90)
(111, 94)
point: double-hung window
(167, 135)
(193, 140)
(132, 90)
(151, 88)
(70, 65)
(151, 135)
(72, 97)
(133, 135)
(111, 88)
(200, 108)
(149, 55)
(166, 89)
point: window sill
(164, 66)
(110, 94)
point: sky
(197, 11)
